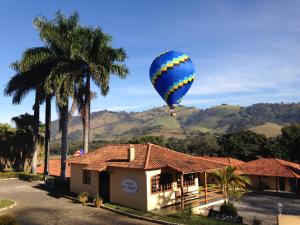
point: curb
(9, 207)
(14, 178)
(139, 217)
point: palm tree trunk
(86, 116)
(47, 134)
(64, 116)
(36, 124)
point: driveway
(264, 207)
(36, 206)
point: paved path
(264, 207)
(36, 206)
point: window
(161, 182)
(188, 180)
(86, 177)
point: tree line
(62, 69)
(244, 144)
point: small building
(273, 174)
(143, 176)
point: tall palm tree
(229, 179)
(24, 81)
(58, 35)
(93, 50)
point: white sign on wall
(129, 186)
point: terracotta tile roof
(271, 167)
(54, 168)
(225, 160)
(147, 157)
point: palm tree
(58, 36)
(24, 81)
(24, 133)
(99, 60)
(229, 179)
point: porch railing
(203, 195)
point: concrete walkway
(36, 206)
(265, 207)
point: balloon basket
(172, 112)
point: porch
(189, 189)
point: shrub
(22, 176)
(98, 201)
(83, 197)
(256, 221)
(31, 177)
(228, 208)
(8, 220)
(5, 175)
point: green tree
(59, 35)
(244, 145)
(93, 49)
(202, 144)
(230, 180)
(290, 140)
(26, 79)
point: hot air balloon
(172, 74)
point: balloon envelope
(172, 74)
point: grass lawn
(5, 203)
(175, 217)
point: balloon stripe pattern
(172, 74)
(178, 85)
(168, 65)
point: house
(143, 176)
(54, 168)
(273, 174)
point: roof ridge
(147, 156)
(286, 167)
(211, 160)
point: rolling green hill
(261, 118)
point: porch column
(205, 186)
(276, 184)
(297, 187)
(181, 190)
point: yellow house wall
(137, 200)
(161, 199)
(76, 181)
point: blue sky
(244, 52)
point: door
(282, 184)
(104, 185)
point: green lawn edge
(173, 218)
(6, 203)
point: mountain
(261, 118)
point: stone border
(139, 217)
(9, 207)
(12, 178)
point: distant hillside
(261, 118)
(268, 129)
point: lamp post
(280, 206)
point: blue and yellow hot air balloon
(172, 74)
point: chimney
(131, 153)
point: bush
(98, 201)
(8, 220)
(228, 208)
(31, 177)
(5, 175)
(256, 221)
(83, 198)
(22, 176)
